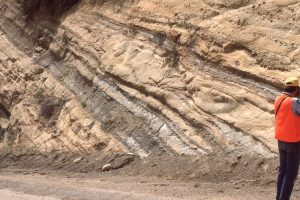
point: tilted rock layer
(146, 77)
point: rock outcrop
(145, 77)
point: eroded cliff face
(145, 78)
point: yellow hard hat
(292, 81)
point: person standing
(287, 132)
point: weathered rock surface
(145, 77)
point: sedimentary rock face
(144, 77)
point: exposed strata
(145, 77)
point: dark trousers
(289, 156)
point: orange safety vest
(287, 123)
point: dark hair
(290, 89)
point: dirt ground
(34, 184)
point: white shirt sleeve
(296, 106)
